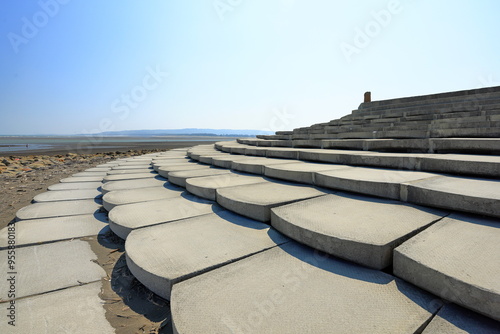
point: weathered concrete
(87, 174)
(179, 178)
(67, 195)
(98, 169)
(257, 165)
(158, 181)
(291, 289)
(190, 247)
(34, 231)
(76, 310)
(75, 186)
(81, 179)
(369, 181)
(58, 209)
(122, 197)
(481, 196)
(256, 200)
(50, 267)
(130, 171)
(125, 218)
(130, 176)
(361, 229)
(453, 319)
(226, 161)
(457, 259)
(481, 165)
(132, 167)
(165, 170)
(206, 187)
(301, 172)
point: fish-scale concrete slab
(208, 159)
(72, 179)
(301, 172)
(457, 259)
(125, 218)
(58, 209)
(130, 171)
(135, 163)
(120, 168)
(87, 174)
(129, 176)
(453, 319)
(226, 161)
(34, 231)
(159, 165)
(50, 267)
(162, 255)
(157, 181)
(361, 229)
(122, 197)
(256, 200)
(75, 186)
(179, 178)
(98, 169)
(67, 195)
(257, 165)
(165, 170)
(481, 165)
(58, 312)
(369, 181)
(474, 195)
(206, 187)
(293, 289)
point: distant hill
(187, 132)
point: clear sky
(81, 66)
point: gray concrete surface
(179, 178)
(58, 209)
(133, 184)
(206, 187)
(130, 176)
(122, 197)
(299, 171)
(67, 195)
(75, 186)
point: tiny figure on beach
(27, 145)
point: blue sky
(71, 66)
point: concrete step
(290, 289)
(159, 165)
(35, 231)
(207, 186)
(165, 170)
(98, 169)
(135, 167)
(130, 171)
(256, 165)
(67, 195)
(361, 229)
(299, 171)
(158, 181)
(122, 197)
(256, 200)
(457, 259)
(76, 186)
(194, 246)
(124, 219)
(87, 174)
(179, 178)
(129, 176)
(81, 179)
(58, 209)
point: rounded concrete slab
(35, 231)
(453, 319)
(58, 209)
(369, 181)
(72, 179)
(67, 195)
(50, 267)
(57, 312)
(206, 187)
(473, 195)
(360, 229)
(87, 174)
(208, 159)
(257, 165)
(131, 176)
(75, 186)
(301, 172)
(227, 160)
(190, 247)
(130, 171)
(98, 169)
(159, 165)
(135, 163)
(157, 181)
(179, 178)
(122, 197)
(165, 170)
(457, 259)
(292, 289)
(120, 168)
(125, 218)
(256, 200)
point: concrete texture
(162, 255)
(49, 267)
(125, 218)
(130, 171)
(165, 170)
(87, 174)
(58, 209)
(301, 172)
(131, 167)
(206, 187)
(257, 165)
(179, 178)
(131, 176)
(34, 231)
(98, 169)
(361, 229)
(481, 196)
(226, 161)
(76, 186)
(122, 197)
(76, 310)
(158, 181)
(457, 259)
(453, 319)
(369, 181)
(467, 164)
(256, 200)
(292, 289)
(67, 195)
(72, 179)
